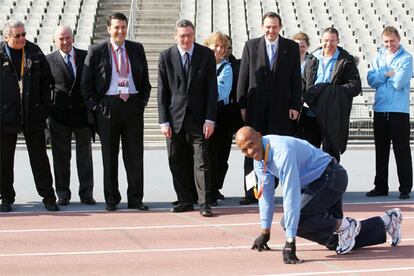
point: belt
(332, 163)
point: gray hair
(9, 24)
(184, 23)
(62, 28)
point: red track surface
(162, 243)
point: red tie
(123, 73)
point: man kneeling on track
(313, 185)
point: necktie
(272, 55)
(69, 65)
(186, 64)
(123, 73)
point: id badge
(123, 86)
(251, 180)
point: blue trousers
(322, 207)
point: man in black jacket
(24, 102)
(69, 117)
(269, 85)
(116, 88)
(331, 81)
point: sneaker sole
(399, 221)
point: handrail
(131, 21)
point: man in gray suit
(69, 117)
(187, 98)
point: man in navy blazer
(116, 88)
(69, 117)
(269, 84)
(187, 98)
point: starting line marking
(158, 250)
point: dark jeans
(61, 137)
(393, 127)
(322, 207)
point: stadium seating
(41, 17)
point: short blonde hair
(215, 37)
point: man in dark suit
(187, 98)
(25, 102)
(116, 89)
(269, 85)
(69, 117)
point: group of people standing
(276, 88)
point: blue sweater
(392, 93)
(297, 164)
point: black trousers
(219, 149)
(177, 146)
(39, 162)
(393, 127)
(311, 132)
(61, 137)
(122, 121)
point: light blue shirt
(224, 81)
(113, 87)
(392, 94)
(325, 69)
(297, 164)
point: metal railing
(131, 20)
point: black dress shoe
(205, 210)
(404, 196)
(138, 206)
(88, 201)
(376, 192)
(175, 202)
(247, 201)
(5, 207)
(63, 201)
(220, 196)
(51, 206)
(186, 207)
(111, 207)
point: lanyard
(116, 59)
(258, 193)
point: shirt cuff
(209, 121)
(166, 124)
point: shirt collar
(63, 54)
(276, 42)
(182, 52)
(116, 46)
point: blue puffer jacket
(392, 93)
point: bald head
(64, 38)
(249, 142)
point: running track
(162, 243)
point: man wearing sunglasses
(24, 100)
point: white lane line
(347, 271)
(140, 227)
(8, 231)
(128, 227)
(157, 250)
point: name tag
(251, 180)
(123, 86)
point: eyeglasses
(23, 34)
